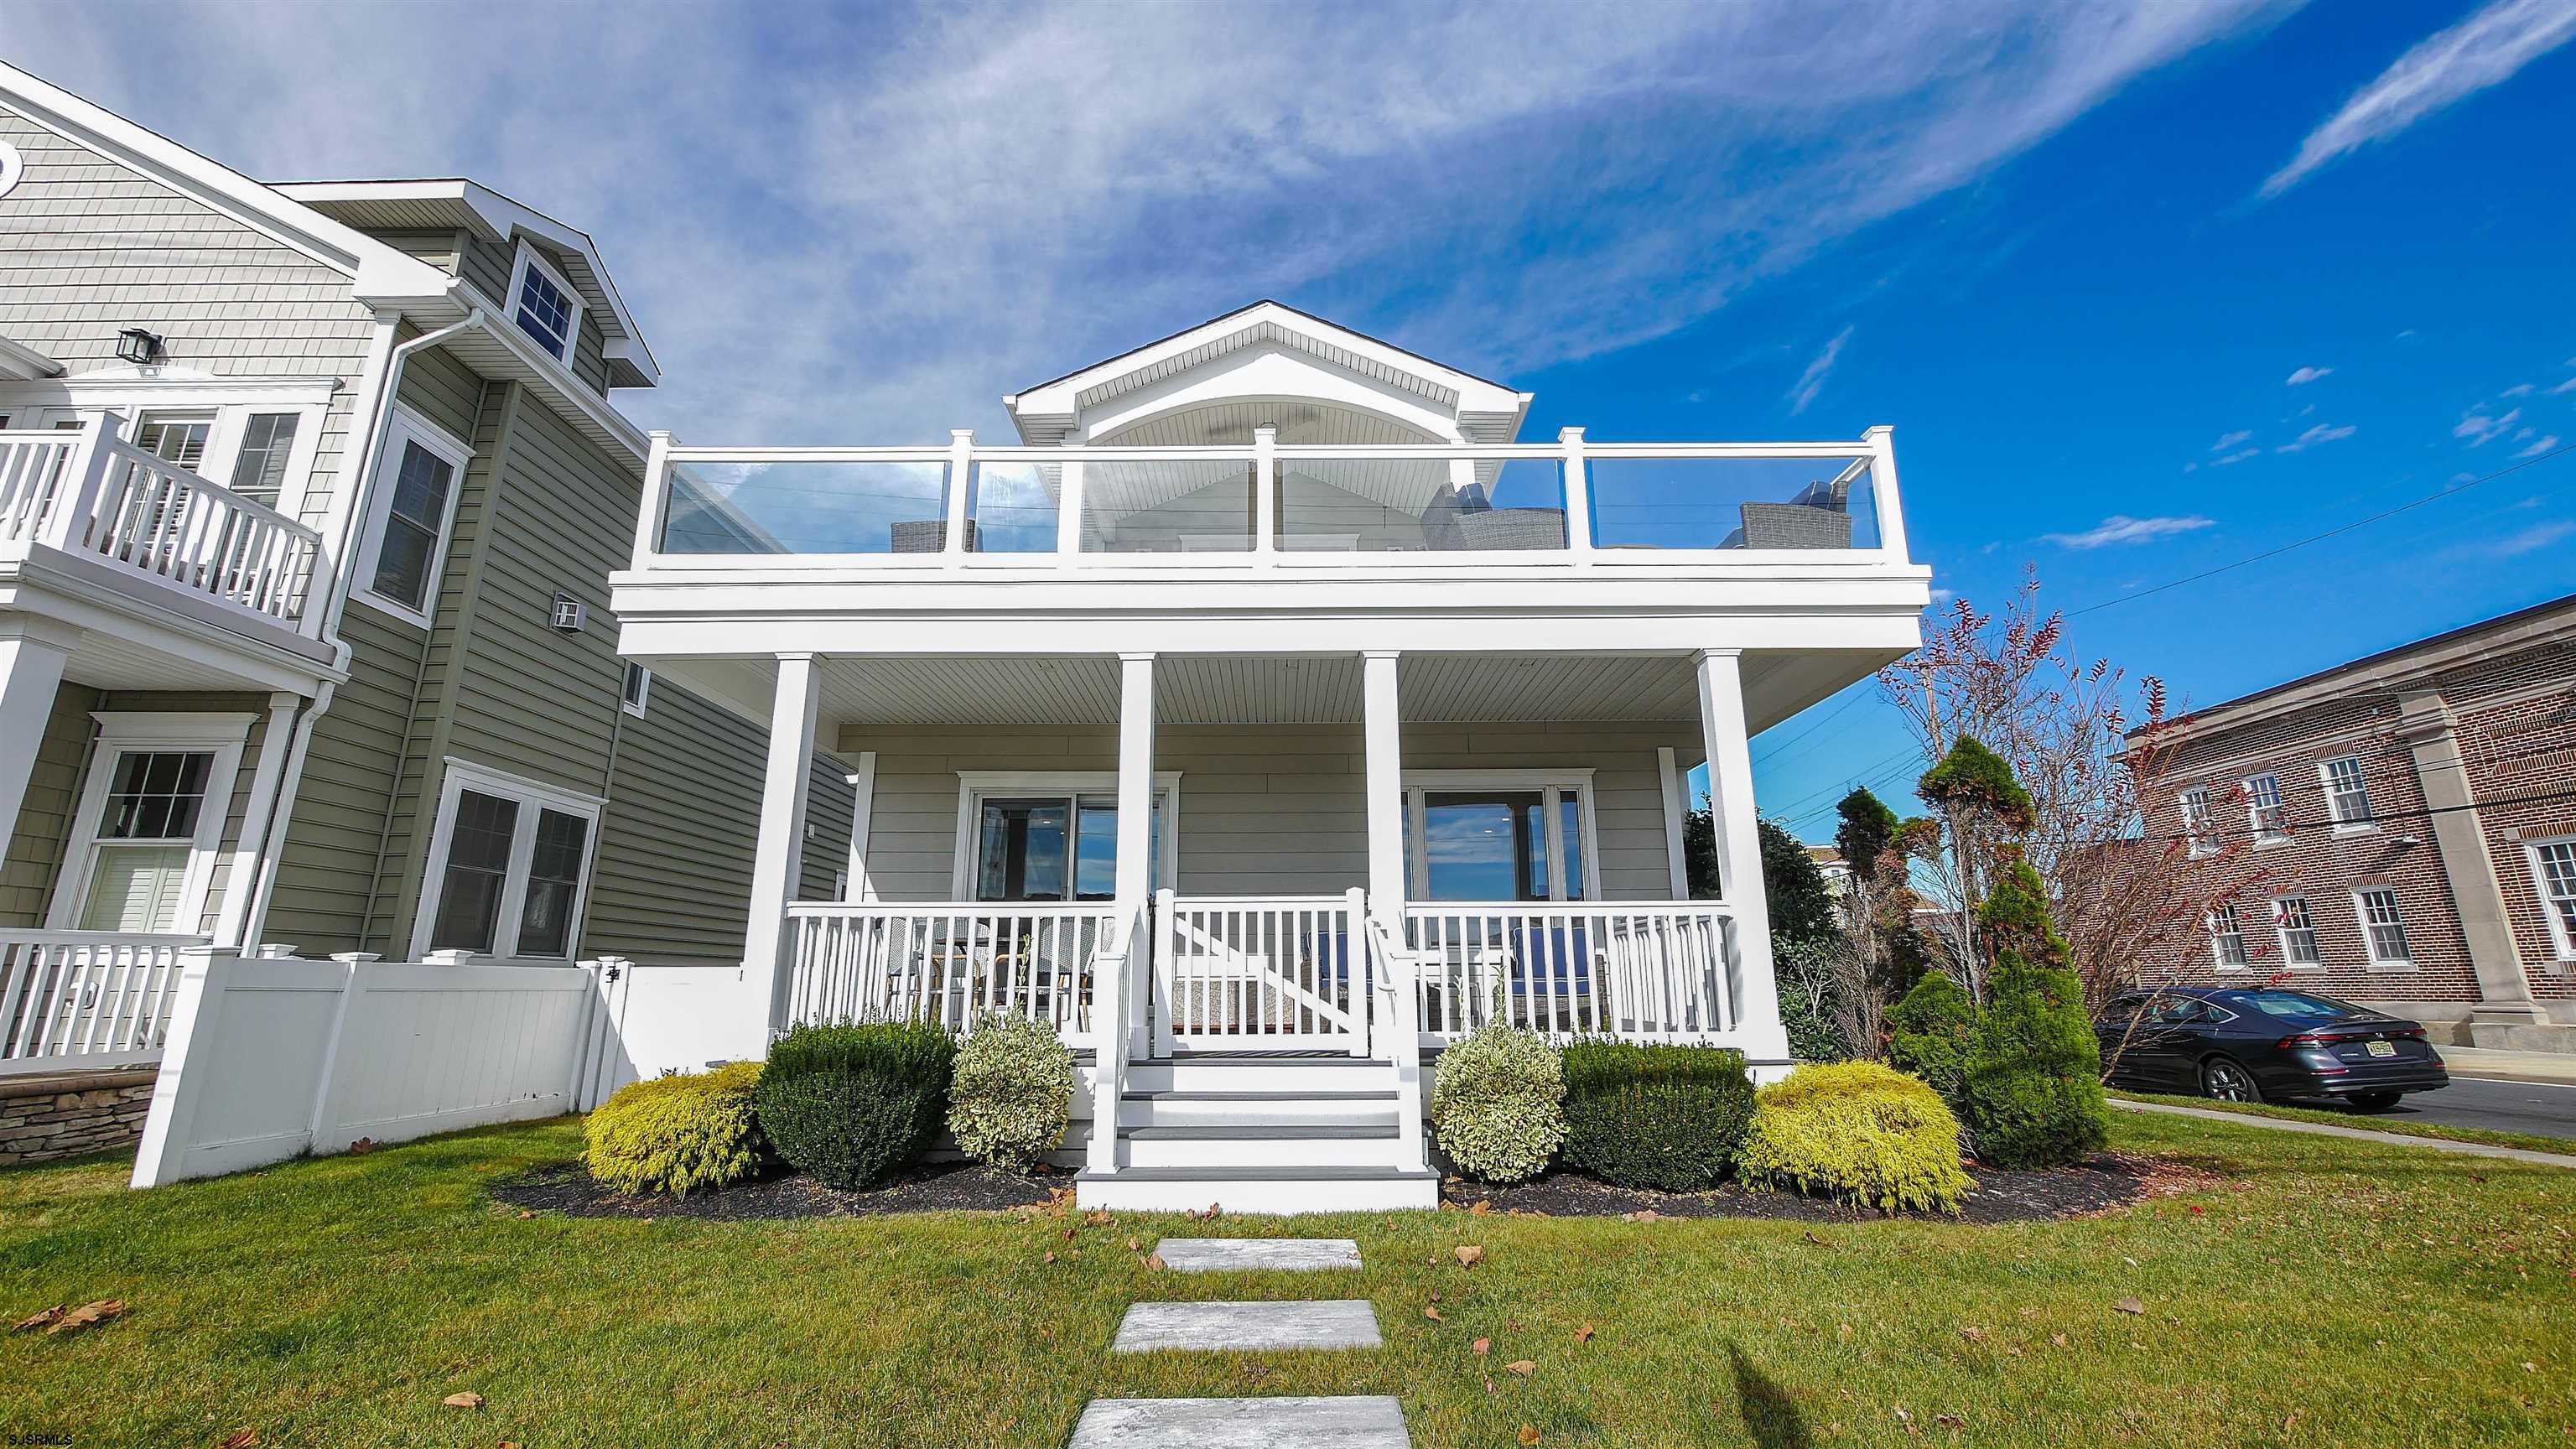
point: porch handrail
(1655, 970)
(89, 492)
(70, 998)
(1396, 974)
(946, 962)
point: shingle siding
(35, 846)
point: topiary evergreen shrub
(1011, 1094)
(1930, 1033)
(1498, 1104)
(676, 1134)
(1659, 1116)
(848, 1105)
(1856, 1131)
(2034, 1076)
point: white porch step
(1270, 1075)
(1269, 1189)
(1355, 1422)
(1286, 1108)
(1235, 1144)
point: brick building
(2408, 823)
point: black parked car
(2246, 1045)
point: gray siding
(45, 817)
(488, 266)
(344, 805)
(1265, 809)
(88, 247)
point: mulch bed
(566, 1187)
(2101, 1183)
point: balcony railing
(89, 494)
(968, 506)
(78, 998)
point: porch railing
(944, 963)
(1646, 970)
(1261, 971)
(85, 998)
(87, 493)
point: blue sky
(2144, 289)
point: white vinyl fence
(270, 1058)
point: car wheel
(2374, 1101)
(2224, 1079)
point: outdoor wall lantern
(138, 347)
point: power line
(2449, 492)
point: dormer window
(544, 304)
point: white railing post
(1578, 495)
(1883, 497)
(1165, 1007)
(1265, 493)
(1377, 1024)
(1068, 509)
(83, 483)
(656, 501)
(1108, 1048)
(961, 480)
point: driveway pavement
(2542, 1109)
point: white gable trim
(380, 274)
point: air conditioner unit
(569, 614)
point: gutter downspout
(343, 577)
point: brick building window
(2298, 932)
(2227, 937)
(2347, 799)
(2195, 821)
(2384, 926)
(2553, 869)
(2263, 812)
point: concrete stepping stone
(1356, 1422)
(1223, 1327)
(1286, 1255)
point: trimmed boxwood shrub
(676, 1134)
(1498, 1104)
(1930, 1033)
(1012, 1094)
(848, 1105)
(2034, 1078)
(1857, 1131)
(1660, 1116)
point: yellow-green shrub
(1855, 1130)
(675, 1134)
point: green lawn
(2331, 1292)
(2367, 1122)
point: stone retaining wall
(68, 1114)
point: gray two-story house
(309, 494)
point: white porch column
(1135, 875)
(1739, 860)
(1382, 735)
(32, 654)
(779, 857)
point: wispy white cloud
(2120, 528)
(2230, 440)
(2239, 456)
(2480, 51)
(2519, 389)
(1812, 381)
(2321, 433)
(2481, 429)
(2533, 539)
(2539, 446)
(2568, 386)
(2306, 375)
(911, 211)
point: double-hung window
(639, 689)
(509, 867)
(150, 822)
(2553, 872)
(265, 454)
(413, 505)
(2195, 821)
(544, 304)
(2297, 930)
(2347, 798)
(2383, 926)
(2227, 937)
(2263, 812)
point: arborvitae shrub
(848, 1105)
(1930, 1033)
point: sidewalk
(2504, 1066)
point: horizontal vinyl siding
(349, 793)
(35, 854)
(1265, 810)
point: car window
(2296, 1006)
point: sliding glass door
(1053, 847)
